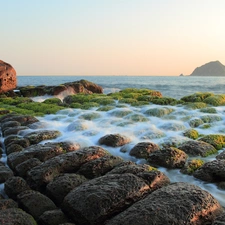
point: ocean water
(171, 86)
(86, 127)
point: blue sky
(111, 37)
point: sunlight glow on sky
(111, 37)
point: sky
(111, 37)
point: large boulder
(178, 203)
(213, 171)
(8, 80)
(114, 140)
(98, 199)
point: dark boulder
(15, 216)
(143, 149)
(41, 135)
(197, 148)
(114, 140)
(178, 203)
(213, 171)
(38, 177)
(35, 203)
(14, 186)
(53, 217)
(7, 204)
(14, 139)
(14, 130)
(5, 173)
(98, 199)
(169, 157)
(100, 166)
(8, 80)
(61, 185)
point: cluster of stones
(62, 183)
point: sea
(86, 127)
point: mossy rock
(89, 105)
(159, 112)
(120, 112)
(192, 166)
(105, 100)
(197, 97)
(147, 98)
(195, 105)
(105, 108)
(139, 103)
(205, 126)
(211, 118)
(216, 140)
(173, 126)
(128, 100)
(136, 118)
(166, 101)
(216, 100)
(41, 107)
(191, 133)
(141, 91)
(90, 116)
(79, 98)
(15, 101)
(116, 95)
(196, 122)
(208, 110)
(56, 101)
(76, 105)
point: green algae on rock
(216, 100)
(192, 166)
(217, 140)
(191, 133)
(159, 112)
(197, 97)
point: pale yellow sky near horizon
(114, 37)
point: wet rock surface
(63, 183)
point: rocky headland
(214, 68)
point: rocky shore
(60, 183)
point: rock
(9, 124)
(220, 220)
(178, 203)
(143, 149)
(16, 216)
(14, 186)
(14, 130)
(213, 171)
(5, 173)
(14, 139)
(114, 140)
(8, 80)
(197, 148)
(7, 204)
(98, 199)
(168, 157)
(22, 168)
(35, 203)
(41, 135)
(221, 155)
(52, 217)
(41, 152)
(13, 148)
(22, 119)
(39, 176)
(191, 166)
(191, 133)
(214, 68)
(100, 166)
(61, 185)
(159, 112)
(217, 140)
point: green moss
(89, 105)
(216, 140)
(137, 118)
(192, 166)
(208, 110)
(76, 105)
(90, 116)
(79, 98)
(147, 98)
(197, 97)
(210, 118)
(106, 108)
(41, 107)
(120, 112)
(195, 122)
(166, 101)
(205, 126)
(159, 112)
(127, 100)
(14, 101)
(56, 101)
(216, 100)
(195, 105)
(104, 100)
(191, 133)
(139, 103)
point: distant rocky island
(214, 68)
